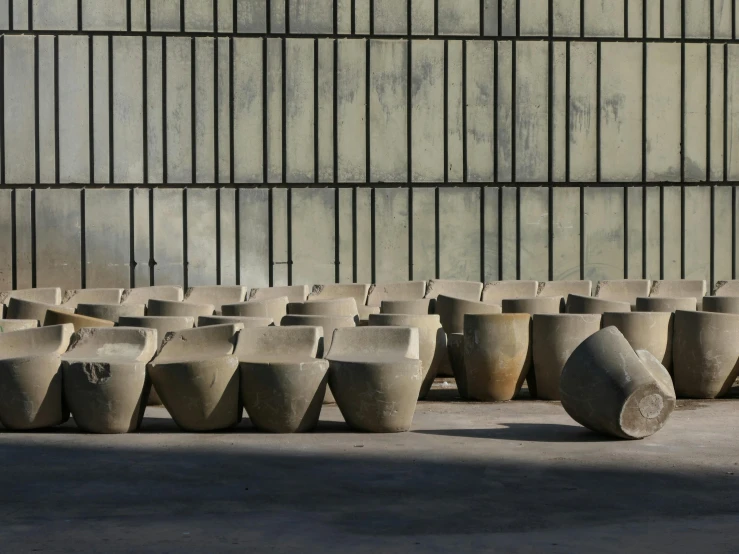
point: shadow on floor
(527, 432)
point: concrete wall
(298, 141)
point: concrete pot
(680, 288)
(162, 325)
(28, 309)
(11, 325)
(273, 308)
(31, 378)
(497, 355)
(105, 381)
(207, 320)
(179, 309)
(358, 291)
(726, 288)
(376, 376)
(452, 311)
(142, 295)
(51, 295)
(705, 353)
(56, 317)
(111, 312)
(409, 290)
(364, 313)
(282, 382)
(565, 288)
(196, 375)
(217, 295)
(624, 290)
(577, 304)
(423, 306)
(293, 293)
(75, 297)
(495, 291)
(466, 290)
(555, 337)
(431, 342)
(341, 307)
(531, 306)
(721, 304)
(650, 331)
(609, 388)
(455, 351)
(665, 304)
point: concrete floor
(513, 477)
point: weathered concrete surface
(528, 456)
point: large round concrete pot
(142, 295)
(421, 306)
(538, 305)
(555, 337)
(11, 325)
(163, 325)
(28, 309)
(293, 293)
(664, 304)
(455, 350)
(55, 317)
(497, 355)
(197, 377)
(376, 376)
(105, 381)
(49, 295)
(469, 290)
(341, 307)
(705, 353)
(74, 297)
(246, 321)
(284, 396)
(609, 388)
(179, 309)
(650, 331)
(273, 308)
(496, 291)
(721, 304)
(431, 342)
(452, 311)
(111, 312)
(31, 378)
(577, 304)
(623, 290)
(217, 295)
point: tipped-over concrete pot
(111, 312)
(28, 309)
(207, 320)
(328, 324)
(11, 325)
(577, 304)
(680, 288)
(217, 295)
(142, 295)
(431, 342)
(75, 297)
(466, 290)
(282, 382)
(376, 376)
(624, 290)
(196, 376)
(423, 306)
(293, 293)
(52, 295)
(452, 310)
(358, 291)
(497, 355)
(721, 304)
(410, 290)
(665, 304)
(705, 353)
(273, 308)
(532, 306)
(565, 288)
(555, 337)
(455, 351)
(31, 378)
(162, 325)
(56, 317)
(609, 388)
(105, 381)
(650, 331)
(345, 307)
(495, 291)
(179, 309)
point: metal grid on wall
(147, 142)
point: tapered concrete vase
(452, 310)
(293, 293)
(623, 290)
(376, 375)
(358, 291)
(197, 378)
(28, 309)
(497, 355)
(31, 379)
(650, 331)
(142, 295)
(555, 337)
(105, 382)
(467, 290)
(495, 291)
(282, 382)
(342, 307)
(50, 295)
(411, 307)
(111, 312)
(11, 325)
(57, 317)
(665, 304)
(179, 309)
(409, 290)
(705, 353)
(680, 288)
(273, 308)
(609, 388)
(578, 304)
(216, 295)
(431, 342)
(721, 304)
(565, 288)
(75, 297)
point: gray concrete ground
(513, 477)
